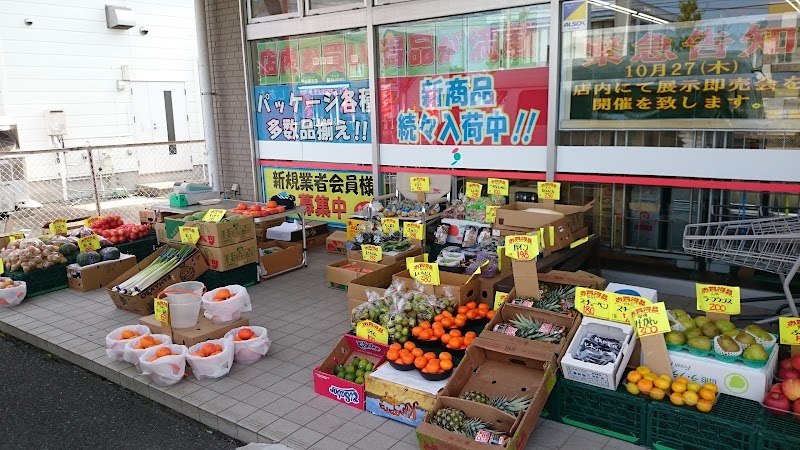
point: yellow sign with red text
(371, 331)
(593, 303)
(497, 186)
(522, 247)
(549, 190)
(372, 253)
(718, 299)
(425, 273)
(650, 319)
(474, 190)
(420, 184)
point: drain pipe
(206, 94)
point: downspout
(206, 94)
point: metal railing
(39, 186)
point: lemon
(711, 387)
(676, 398)
(690, 398)
(632, 388)
(692, 386)
(643, 370)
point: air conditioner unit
(9, 139)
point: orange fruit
(425, 325)
(409, 345)
(462, 309)
(433, 365)
(445, 356)
(420, 362)
(463, 316)
(704, 405)
(415, 331)
(459, 322)
(147, 340)
(661, 384)
(472, 314)
(429, 355)
(690, 398)
(237, 339)
(392, 355)
(200, 354)
(481, 314)
(634, 376)
(438, 318)
(676, 398)
(490, 314)
(683, 380)
(222, 294)
(447, 322)
(711, 387)
(679, 387)
(215, 353)
(408, 358)
(127, 334)
(438, 332)
(426, 335)
(471, 334)
(446, 364)
(208, 349)
(455, 333)
(455, 342)
(706, 394)
(447, 314)
(645, 385)
(484, 306)
(468, 341)
(395, 346)
(471, 305)
(437, 325)
(657, 393)
(163, 351)
(417, 352)
(217, 347)
(445, 338)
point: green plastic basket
(616, 414)
(778, 432)
(244, 276)
(732, 424)
(40, 282)
(140, 248)
(550, 410)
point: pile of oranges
(454, 340)
(682, 391)
(409, 353)
(209, 349)
(403, 354)
(147, 342)
(222, 294)
(244, 334)
(448, 321)
(160, 353)
(128, 334)
(474, 311)
(427, 332)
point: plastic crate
(40, 282)
(616, 414)
(550, 410)
(140, 248)
(732, 424)
(778, 433)
(244, 276)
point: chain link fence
(37, 187)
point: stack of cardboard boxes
(558, 225)
(224, 245)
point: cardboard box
(389, 257)
(262, 227)
(508, 312)
(95, 276)
(402, 396)
(341, 390)
(161, 233)
(5, 238)
(313, 229)
(338, 277)
(459, 286)
(147, 216)
(609, 375)
(213, 234)
(142, 303)
(203, 331)
(337, 243)
(515, 215)
(487, 289)
(290, 256)
(315, 241)
(377, 281)
(230, 257)
(627, 289)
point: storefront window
(325, 4)
(266, 8)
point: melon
(109, 253)
(86, 258)
(68, 249)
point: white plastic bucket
(184, 303)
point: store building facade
(665, 112)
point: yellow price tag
(522, 247)
(789, 328)
(354, 227)
(371, 331)
(718, 299)
(91, 220)
(580, 241)
(161, 308)
(650, 319)
(425, 273)
(372, 253)
(390, 224)
(58, 226)
(501, 250)
(189, 235)
(89, 243)
(214, 215)
(14, 237)
(499, 299)
(622, 305)
(549, 190)
(491, 214)
(2, 267)
(413, 230)
(474, 190)
(497, 186)
(592, 303)
(420, 184)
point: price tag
(650, 319)
(420, 184)
(499, 299)
(2, 267)
(58, 226)
(14, 237)
(189, 235)
(501, 250)
(580, 241)
(474, 190)
(491, 214)
(718, 299)
(497, 186)
(91, 220)
(371, 331)
(390, 224)
(413, 230)
(372, 253)
(549, 190)
(622, 305)
(522, 247)
(354, 227)
(789, 328)
(425, 273)
(89, 243)
(161, 308)
(592, 303)
(214, 215)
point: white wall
(69, 60)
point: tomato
(256, 207)
(241, 206)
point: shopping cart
(771, 245)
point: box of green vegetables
(136, 289)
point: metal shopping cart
(771, 245)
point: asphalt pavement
(49, 403)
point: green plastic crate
(40, 282)
(611, 413)
(732, 424)
(244, 276)
(778, 432)
(550, 410)
(140, 248)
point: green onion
(165, 263)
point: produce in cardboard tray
(534, 330)
(31, 254)
(557, 298)
(513, 406)
(392, 242)
(168, 260)
(356, 370)
(456, 421)
(114, 230)
(680, 392)
(596, 349)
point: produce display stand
(227, 205)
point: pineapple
(456, 421)
(536, 331)
(475, 396)
(512, 406)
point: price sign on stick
(413, 230)
(91, 220)
(549, 190)
(15, 237)
(58, 226)
(372, 253)
(650, 319)
(718, 299)
(491, 214)
(89, 243)
(354, 227)
(789, 328)
(161, 308)
(420, 184)
(522, 247)
(425, 273)
(499, 299)
(593, 303)
(189, 235)
(2, 267)
(622, 305)
(497, 186)
(390, 224)
(474, 190)
(214, 215)
(371, 331)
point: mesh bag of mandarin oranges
(211, 359)
(119, 338)
(250, 343)
(136, 347)
(226, 304)
(166, 364)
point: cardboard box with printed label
(403, 396)
(230, 257)
(517, 214)
(607, 376)
(337, 243)
(327, 384)
(161, 233)
(280, 256)
(339, 274)
(212, 234)
(95, 276)
(314, 241)
(142, 302)
(459, 286)
(389, 257)
(203, 331)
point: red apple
(777, 401)
(786, 374)
(786, 363)
(791, 388)
(777, 387)
(796, 362)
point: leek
(165, 263)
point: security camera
(28, 22)
(143, 31)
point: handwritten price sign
(390, 224)
(372, 253)
(413, 230)
(499, 299)
(522, 247)
(161, 307)
(14, 237)
(789, 328)
(420, 184)
(497, 186)
(2, 267)
(592, 303)
(58, 226)
(89, 243)
(549, 190)
(425, 273)
(718, 299)
(491, 214)
(189, 235)
(214, 215)
(622, 305)
(91, 220)
(353, 228)
(474, 190)
(371, 331)
(650, 319)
